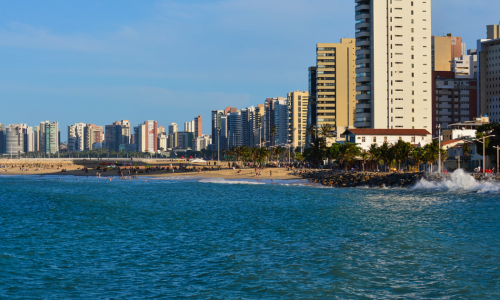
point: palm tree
(316, 152)
(311, 132)
(417, 155)
(365, 155)
(273, 132)
(402, 151)
(375, 154)
(466, 150)
(325, 130)
(348, 153)
(384, 154)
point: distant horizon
(172, 60)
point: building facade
(198, 126)
(454, 99)
(364, 138)
(298, 103)
(336, 84)
(488, 70)
(444, 50)
(14, 139)
(76, 137)
(394, 65)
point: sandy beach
(77, 168)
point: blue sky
(100, 61)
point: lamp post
(439, 149)
(498, 156)
(485, 135)
(218, 146)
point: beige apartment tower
(336, 84)
(297, 104)
(394, 66)
(444, 50)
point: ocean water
(221, 239)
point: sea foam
(459, 181)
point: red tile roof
(361, 131)
(450, 142)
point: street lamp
(218, 146)
(484, 146)
(498, 156)
(439, 149)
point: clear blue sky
(100, 61)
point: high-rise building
(189, 126)
(466, 65)
(277, 129)
(216, 117)
(248, 126)
(172, 128)
(454, 99)
(393, 59)
(201, 142)
(29, 139)
(312, 106)
(298, 105)
(493, 32)
(234, 129)
(14, 139)
(117, 134)
(336, 85)
(92, 135)
(2, 137)
(198, 126)
(162, 141)
(184, 140)
(52, 138)
(76, 137)
(146, 136)
(444, 50)
(488, 56)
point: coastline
(76, 168)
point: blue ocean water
(218, 239)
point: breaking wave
(459, 181)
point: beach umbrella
(182, 157)
(190, 157)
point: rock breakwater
(378, 179)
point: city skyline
(127, 62)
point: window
(385, 139)
(363, 139)
(374, 139)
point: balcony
(364, 43)
(363, 70)
(363, 61)
(364, 87)
(363, 52)
(363, 97)
(362, 7)
(363, 79)
(364, 33)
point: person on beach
(110, 179)
(270, 173)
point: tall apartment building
(298, 103)
(76, 137)
(454, 99)
(117, 134)
(234, 129)
(2, 137)
(189, 126)
(248, 126)
(52, 136)
(201, 142)
(466, 65)
(198, 126)
(488, 51)
(92, 135)
(393, 58)
(146, 136)
(276, 124)
(184, 140)
(493, 32)
(216, 119)
(29, 139)
(14, 139)
(444, 50)
(311, 108)
(172, 128)
(336, 84)
(162, 141)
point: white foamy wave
(224, 181)
(459, 181)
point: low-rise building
(364, 138)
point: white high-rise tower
(393, 64)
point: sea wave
(459, 181)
